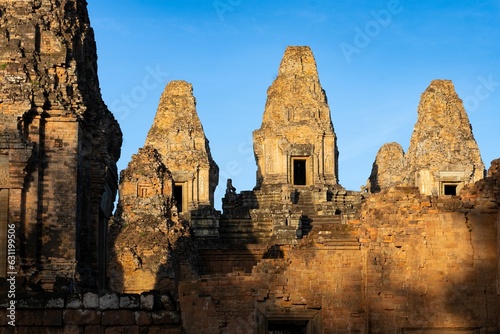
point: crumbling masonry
(416, 251)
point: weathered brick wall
(93, 313)
(220, 304)
(223, 258)
(307, 280)
(423, 263)
(431, 262)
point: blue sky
(374, 58)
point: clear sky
(374, 58)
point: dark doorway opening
(450, 189)
(299, 172)
(287, 327)
(178, 197)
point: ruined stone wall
(313, 282)
(149, 246)
(411, 262)
(431, 262)
(148, 312)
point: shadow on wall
(414, 276)
(151, 253)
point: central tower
(296, 143)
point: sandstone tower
(296, 143)
(58, 145)
(386, 170)
(178, 136)
(297, 162)
(443, 156)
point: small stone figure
(230, 189)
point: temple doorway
(179, 196)
(287, 327)
(299, 172)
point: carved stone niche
(144, 190)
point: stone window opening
(449, 189)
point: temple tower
(178, 136)
(296, 143)
(443, 155)
(58, 145)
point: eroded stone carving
(147, 240)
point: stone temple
(416, 251)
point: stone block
(33, 329)
(118, 318)
(32, 302)
(94, 329)
(52, 317)
(81, 317)
(166, 303)
(123, 330)
(3, 317)
(74, 301)
(69, 329)
(165, 317)
(166, 330)
(26, 318)
(148, 301)
(109, 301)
(143, 318)
(129, 301)
(90, 300)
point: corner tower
(443, 155)
(296, 143)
